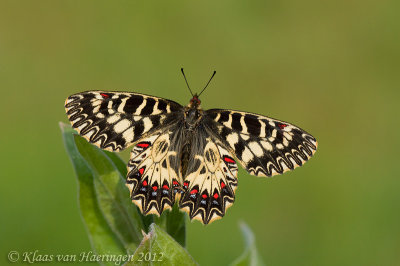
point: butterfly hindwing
(115, 120)
(153, 175)
(263, 145)
(210, 180)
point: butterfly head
(194, 102)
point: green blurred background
(331, 67)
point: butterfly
(186, 154)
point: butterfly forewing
(115, 120)
(264, 146)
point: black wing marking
(263, 145)
(210, 180)
(115, 120)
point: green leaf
(123, 221)
(112, 195)
(101, 237)
(173, 222)
(147, 221)
(250, 255)
(176, 226)
(121, 166)
(157, 247)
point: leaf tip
(62, 126)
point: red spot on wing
(215, 196)
(141, 170)
(104, 95)
(165, 187)
(144, 183)
(154, 188)
(281, 126)
(143, 145)
(175, 183)
(228, 159)
(223, 184)
(204, 196)
(186, 184)
(194, 191)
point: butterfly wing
(210, 180)
(115, 120)
(153, 171)
(263, 145)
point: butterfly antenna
(186, 81)
(208, 82)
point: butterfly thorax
(193, 113)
